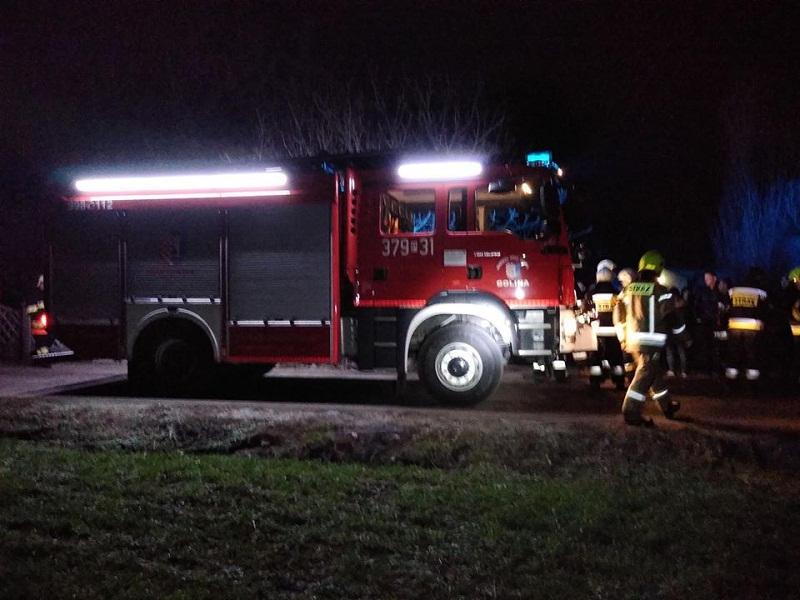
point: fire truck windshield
(515, 209)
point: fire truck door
(402, 266)
(459, 269)
(481, 251)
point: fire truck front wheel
(460, 363)
(172, 361)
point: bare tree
(758, 227)
(432, 114)
(758, 223)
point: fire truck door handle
(474, 272)
(380, 274)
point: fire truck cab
(449, 268)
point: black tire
(171, 360)
(140, 374)
(460, 363)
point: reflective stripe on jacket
(603, 297)
(35, 306)
(748, 309)
(644, 314)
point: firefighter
(643, 316)
(746, 320)
(38, 318)
(625, 276)
(607, 362)
(793, 305)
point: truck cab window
(408, 211)
(517, 211)
(457, 209)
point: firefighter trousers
(608, 359)
(648, 380)
(743, 356)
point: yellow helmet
(652, 260)
(794, 275)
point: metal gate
(12, 324)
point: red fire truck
(450, 268)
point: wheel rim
(459, 366)
(175, 360)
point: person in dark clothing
(707, 307)
(792, 308)
(677, 344)
(780, 338)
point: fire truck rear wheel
(173, 362)
(460, 363)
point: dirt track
(342, 419)
(302, 392)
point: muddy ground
(525, 425)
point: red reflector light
(43, 319)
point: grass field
(168, 524)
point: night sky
(628, 95)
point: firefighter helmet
(606, 264)
(652, 260)
(794, 275)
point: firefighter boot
(632, 409)
(667, 405)
(595, 376)
(673, 407)
(630, 370)
(618, 377)
(753, 378)
(606, 366)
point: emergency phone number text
(407, 246)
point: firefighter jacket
(34, 306)
(35, 309)
(645, 313)
(603, 296)
(748, 310)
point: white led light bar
(183, 195)
(439, 171)
(182, 183)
